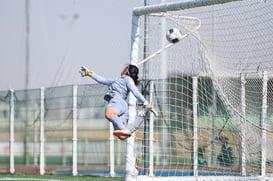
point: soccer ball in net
(173, 35)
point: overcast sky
(64, 34)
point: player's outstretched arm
(84, 71)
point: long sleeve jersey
(120, 86)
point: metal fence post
(42, 131)
(11, 131)
(74, 131)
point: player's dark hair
(133, 73)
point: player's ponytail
(133, 73)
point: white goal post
(183, 139)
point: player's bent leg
(109, 112)
(112, 115)
(139, 120)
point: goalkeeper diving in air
(116, 110)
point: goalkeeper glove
(85, 72)
(146, 104)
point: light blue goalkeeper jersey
(120, 86)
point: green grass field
(29, 177)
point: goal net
(212, 91)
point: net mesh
(226, 42)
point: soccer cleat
(124, 132)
